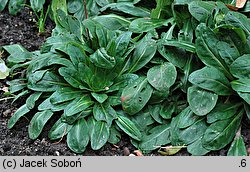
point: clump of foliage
(174, 75)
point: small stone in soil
(57, 153)
(248, 151)
(126, 151)
(6, 113)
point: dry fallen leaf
(170, 150)
(231, 7)
(240, 3)
(138, 153)
(5, 89)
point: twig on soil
(6, 98)
(64, 132)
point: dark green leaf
(15, 6)
(142, 120)
(17, 115)
(122, 42)
(241, 85)
(76, 54)
(3, 3)
(193, 132)
(37, 123)
(144, 52)
(238, 20)
(17, 85)
(187, 118)
(31, 100)
(17, 53)
(100, 97)
(162, 77)
(245, 96)
(161, 9)
(141, 25)
(167, 110)
(104, 112)
(128, 127)
(112, 21)
(78, 105)
(37, 5)
(159, 136)
(237, 147)
(136, 95)
(201, 101)
(206, 48)
(222, 111)
(221, 133)
(114, 136)
(247, 110)
(72, 76)
(101, 59)
(59, 129)
(240, 68)
(127, 8)
(196, 148)
(209, 78)
(201, 10)
(155, 113)
(78, 136)
(186, 45)
(65, 94)
(45, 81)
(100, 135)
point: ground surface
(21, 29)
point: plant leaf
(18, 53)
(159, 136)
(237, 147)
(31, 100)
(196, 148)
(101, 59)
(99, 135)
(162, 77)
(114, 136)
(209, 78)
(59, 129)
(100, 97)
(104, 112)
(143, 53)
(4, 70)
(37, 5)
(78, 136)
(3, 4)
(17, 115)
(78, 105)
(240, 67)
(128, 127)
(222, 111)
(201, 101)
(206, 48)
(37, 123)
(136, 95)
(220, 133)
(241, 85)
